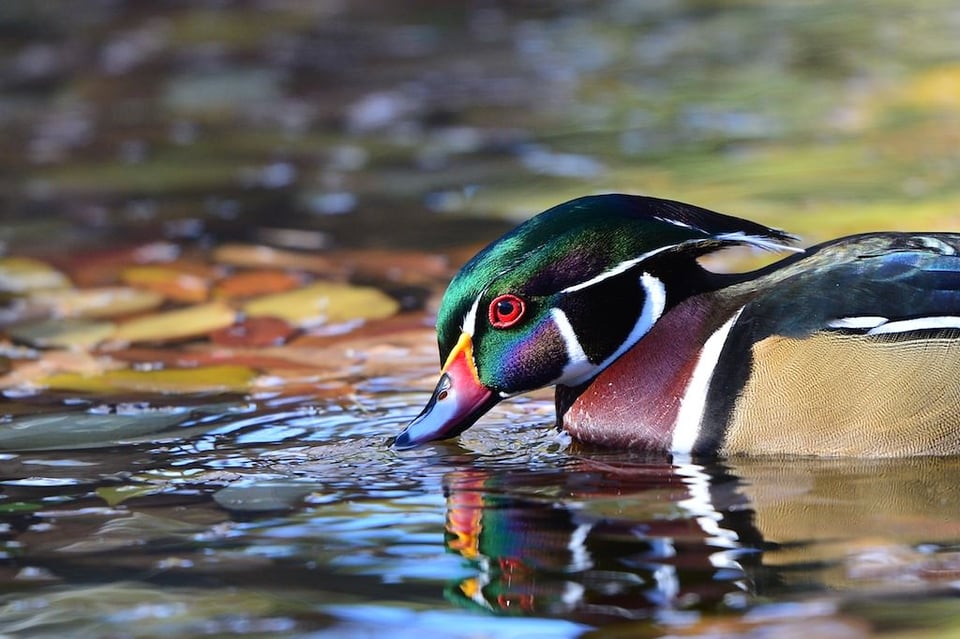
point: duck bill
(458, 401)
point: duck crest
(591, 239)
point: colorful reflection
(624, 541)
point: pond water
(226, 226)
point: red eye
(506, 310)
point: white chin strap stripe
(578, 365)
(579, 368)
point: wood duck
(848, 348)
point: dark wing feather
(892, 276)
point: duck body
(849, 348)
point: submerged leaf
(25, 373)
(174, 325)
(135, 529)
(172, 283)
(139, 610)
(102, 266)
(18, 507)
(274, 358)
(22, 274)
(254, 256)
(69, 333)
(205, 379)
(324, 302)
(936, 88)
(116, 495)
(108, 301)
(254, 332)
(265, 496)
(395, 266)
(84, 429)
(254, 283)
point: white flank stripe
(687, 427)
(864, 321)
(469, 325)
(918, 324)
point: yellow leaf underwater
(74, 334)
(108, 301)
(324, 303)
(175, 325)
(21, 274)
(255, 256)
(172, 283)
(204, 379)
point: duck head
(563, 295)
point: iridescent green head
(563, 295)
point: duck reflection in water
(608, 538)
(600, 541)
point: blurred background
(428, 124)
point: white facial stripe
(686, 430)
(739, 237)
(616, 270)
(917, 324)
(865, 321)
(469, 325)
(677, 223)
(756, 241)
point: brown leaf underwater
(236, 319)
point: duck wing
(850, 349)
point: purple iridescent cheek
(529, 359)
